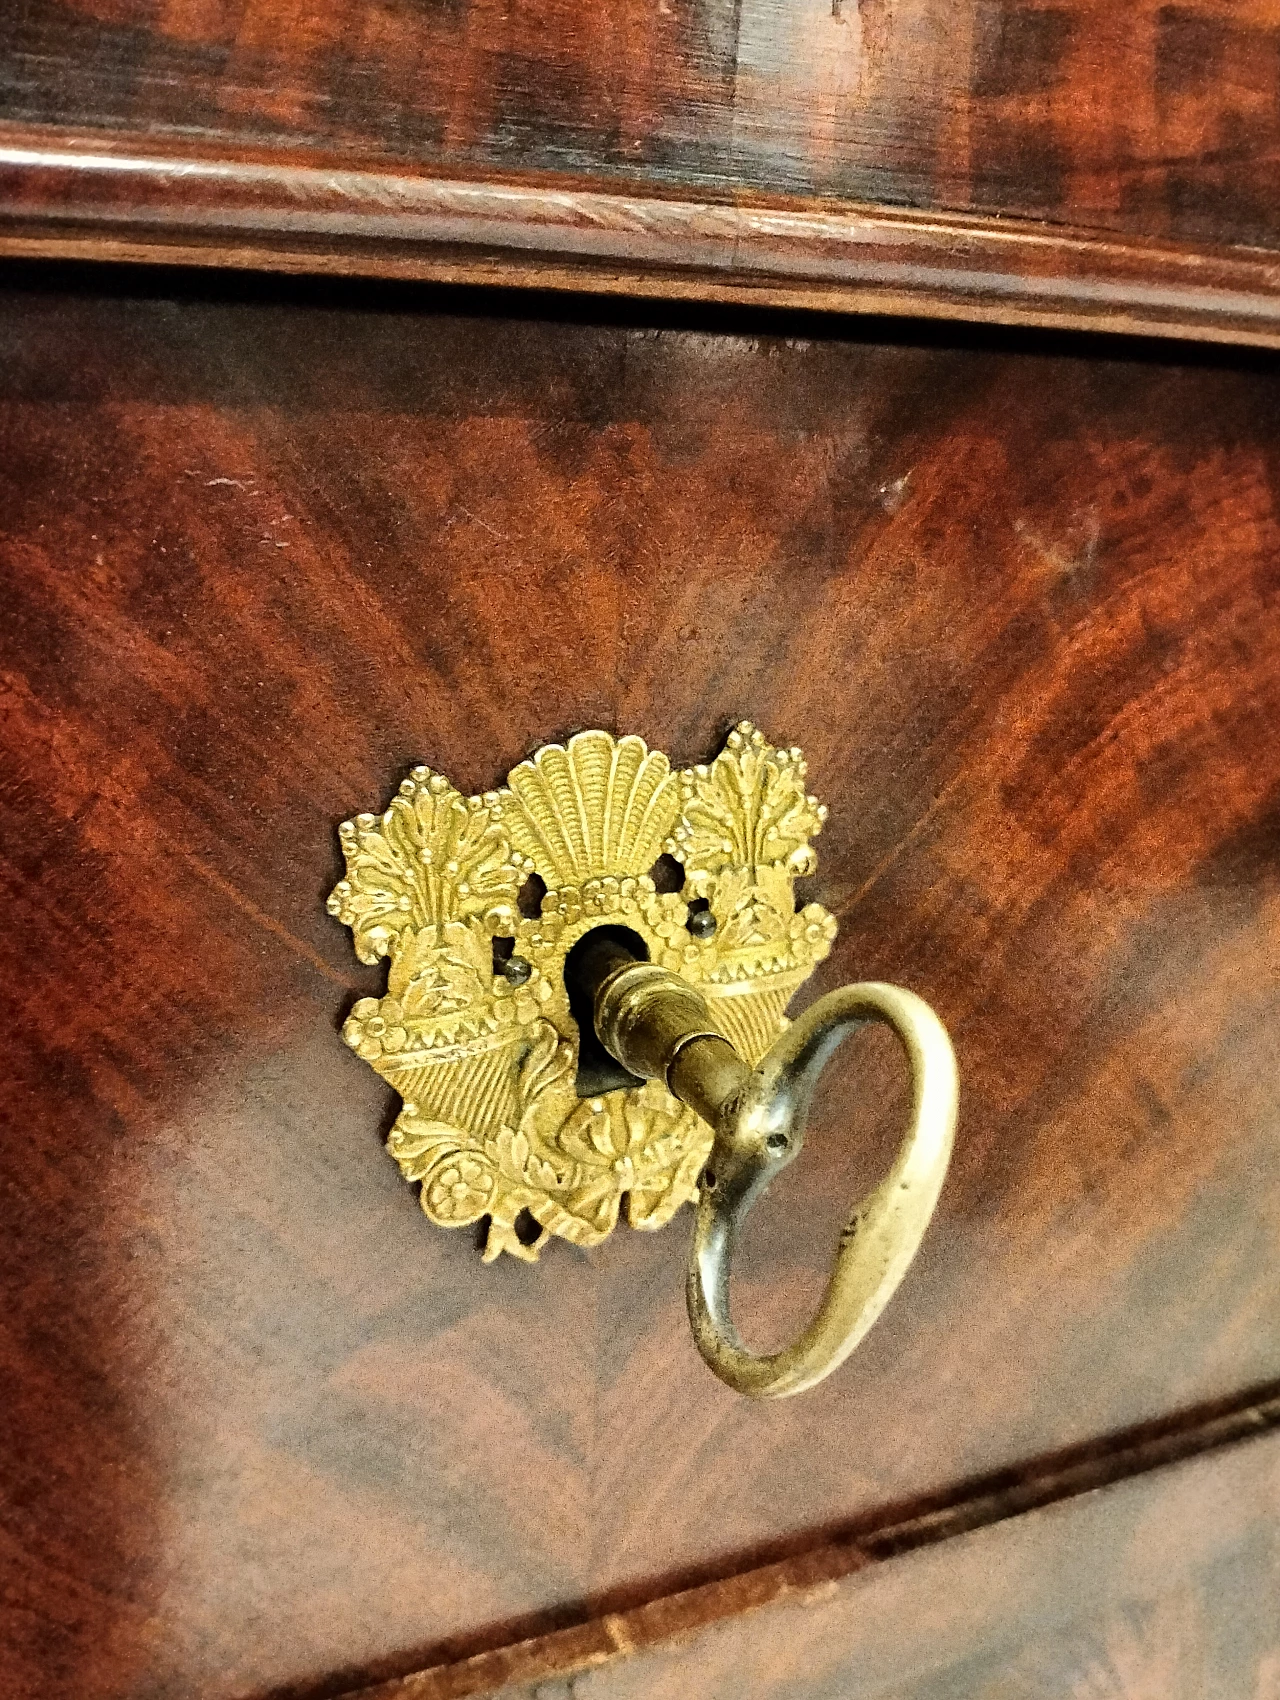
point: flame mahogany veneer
(268, 1432)
(1083, 164)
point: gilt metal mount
(683, 994)
(485, 1055)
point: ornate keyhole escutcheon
(478, 1034)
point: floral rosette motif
(485, 1053)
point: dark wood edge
(974, 1505)
(85, 196)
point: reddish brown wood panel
(1075, 164)
(1164, 1586)
(1149, 118)
(264, 1425)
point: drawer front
(259, 557)
(1162, 1585)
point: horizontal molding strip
(83, 196)
(815, 1571)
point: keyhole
(597, 1071)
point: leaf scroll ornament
(747, 809)
(433, 857)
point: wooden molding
(816, 1572)
(84, 196)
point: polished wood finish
(1166, 1585)
(1080, 164)
(668, 1624)
(1149, 118)
(268, 1431)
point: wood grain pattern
(1162, 1586)
(267, 1432)
(666, 1625)
(341, 137)
(1151, 118)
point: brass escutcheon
(686, 991)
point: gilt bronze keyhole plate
(486, 1058)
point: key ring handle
(761, 1131)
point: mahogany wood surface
(1079, 163)
(1149, 118)
(669, 1623)
(1165, 1587)
(267, 1431)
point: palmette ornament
(486, 1061)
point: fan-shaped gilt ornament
(484, 1053)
